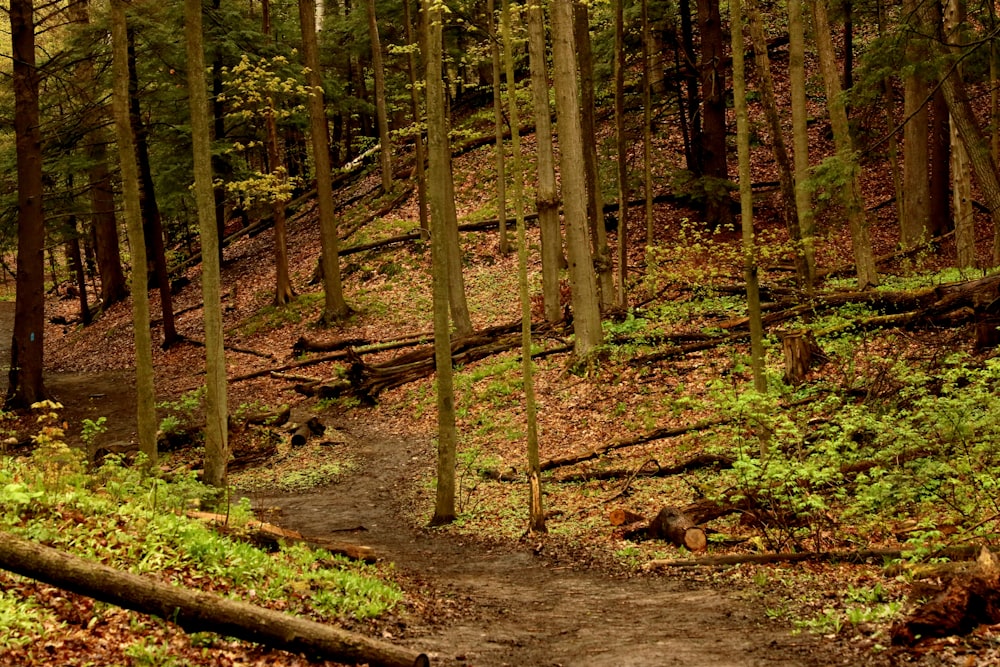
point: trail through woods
(493, 606)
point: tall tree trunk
(770, 103)
(546, 197)
(145, 392)
(439, 180)
(220, 164)
(536, 511)
(965, 231)
(647, 132)
(621, 144)
(689, 67)
(713, 91)
(26, 359)
(588, 124)
(746, 198)
(850, 192)
(216, 428)
(889, 107)
(583, 282)
(283, 292)
(498, 125)
(800, 137)
(102, 196)
(79, 270)
(334, 306)
(382, 116)
(152, 226)
(915, 223)
(420, 152)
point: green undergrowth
(128, 519)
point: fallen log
(620, 517)
(696, 462)
(313, 426)
(657, 434)
(674, 526)
(198, 611)
(968, 599)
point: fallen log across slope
(198, 611)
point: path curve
(514, 607)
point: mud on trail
(520, 606)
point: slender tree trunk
(439, 178)
(145, 392)
(915, 223)
(890, 122)
(770, 102)
(746, 199)
(961, 168)
(498, 125)
(220, 164)
(536, 511)
(647, 132)
(595, 200)
(583, 282)
(26, 360)
(690, 68)
(420, 152)
(79, 271)
(102, 195)
(800, 137)
(546, 197)
(621, 143)
(216, 428)
(382, 116)
(335, 307)
(713, 90)
(850, 192)
(152, 226)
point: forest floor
(482, 592)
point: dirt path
(515, 607)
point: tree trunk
(850, 192)
(588, 125)
(746, 199)
(546, 197)
(418, 140)
(671, 524)
(197, 611)
(536, 511)
(382, 117)
(770, 103)
(335, 307)
(693, 156)
(621, 144)
(152, 226)
(216, 428)
(713, 90)
(498, 125)
(586, 309)
(800, 137)
(145, 391)
(439, 181)
(961, 168)
(26, 359)
(79, 271)
(915, 223)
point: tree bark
(382, 116)
(673, 526)
(501, 183)
(145, 391)
(152, 226)
(621, 145)
(850, 192)
(713, 90)
(591, 169)
(750, 270)
(26, 359)
(961, 168)
(583, 282)
(439, 178)
(546, 196)
(197, 611)
(915, 223)
(334, 305)
(216, 427)
(800, 137)
(420, 152)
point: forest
(490, 333)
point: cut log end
(674, 526)
(620, 517)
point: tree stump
(801, 352)
(675, 527)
